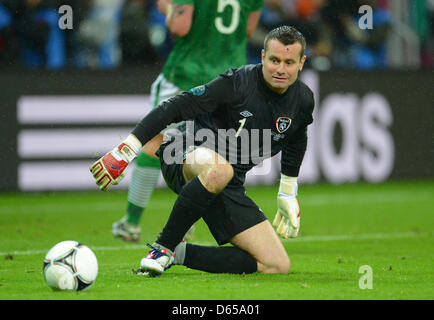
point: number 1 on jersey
(242, 122)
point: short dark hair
(286, 35)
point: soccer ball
(70, 265)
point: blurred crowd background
(114, 33)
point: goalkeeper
(210, 184)
(212, 37)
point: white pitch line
(344, 237)
(360, 198)
(31, 252)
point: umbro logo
(246, 114)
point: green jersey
(216, 41)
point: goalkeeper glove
(111, 168)
(287, 219)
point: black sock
(192, 201)
(219, 259)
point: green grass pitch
(388, 227)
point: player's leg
(206, 174)
(263, 244)
(256, 249)
(235, 218)
(212, 170)
(214, 259)
(144, 178)
(146, 171)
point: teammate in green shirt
(211, 38)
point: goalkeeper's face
(281, 64)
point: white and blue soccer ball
(70, 265)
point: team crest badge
(198, 91)
(282, 124)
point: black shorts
(232, 211)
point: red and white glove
(287, 219)
(111, 168)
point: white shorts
(162, 90)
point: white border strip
(82, 109)
(69, 143)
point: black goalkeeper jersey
(249, 122)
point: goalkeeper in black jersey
(240, 118)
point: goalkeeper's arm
(110, 169)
